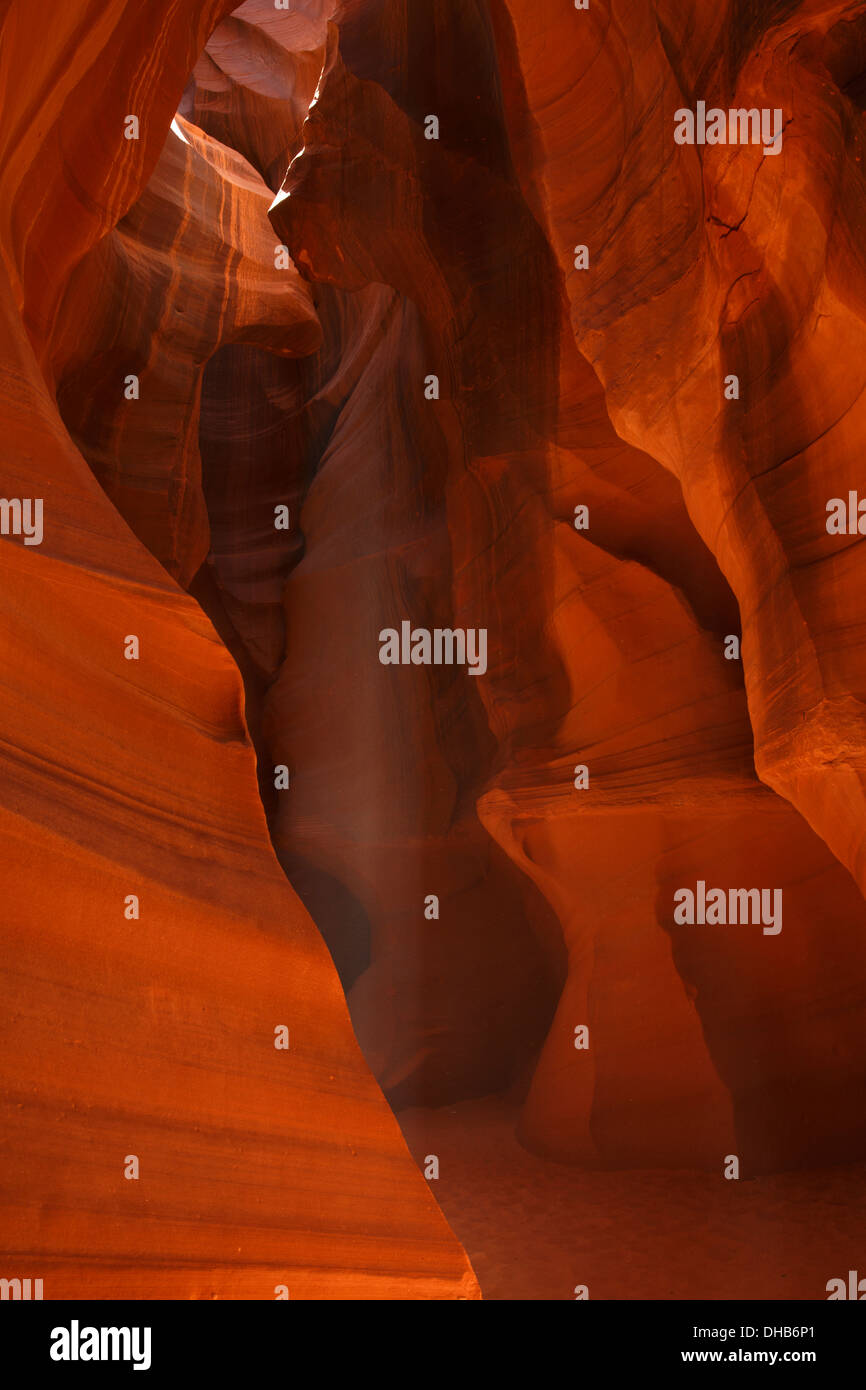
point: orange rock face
(399, 317)
(186, 1112)
(607, 640)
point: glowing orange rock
(152, 948)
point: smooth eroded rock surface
(148, 1032)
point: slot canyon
(325, 321)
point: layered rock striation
(416, 317)
(186, 1112)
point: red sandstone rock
(253, 83)
(738, 263)
(155, 1037)
(558, 388)
(605, 648)
(196, 265)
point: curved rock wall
(607, 646)
(153, 950)
(421, 314)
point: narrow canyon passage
(389, 321)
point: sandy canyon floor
(535, 1229)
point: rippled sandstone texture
(728, 261)
(744, 264)
(606, 647)
(306, 386)
(154, 1036)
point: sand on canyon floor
(534, 1229)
